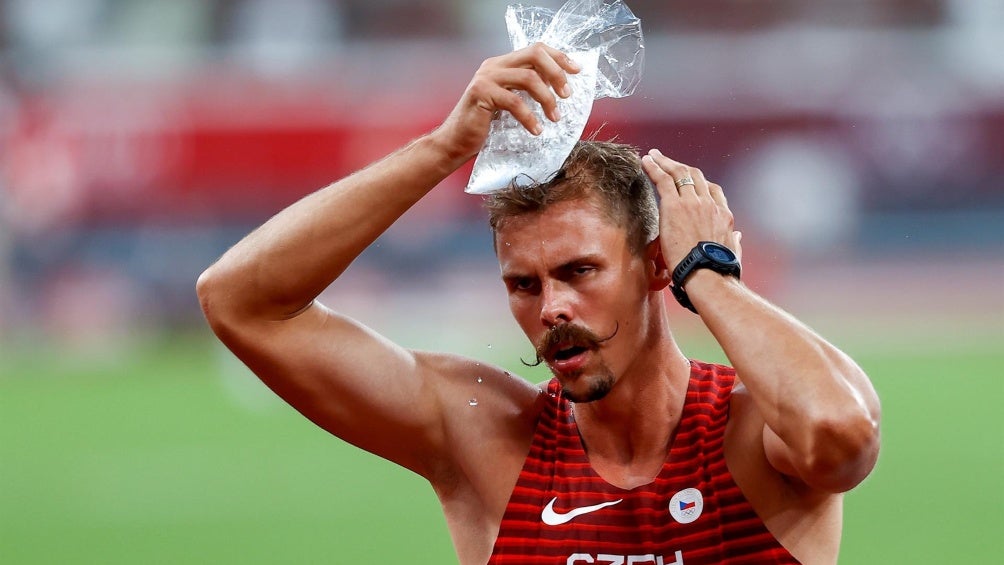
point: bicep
(821, 472)
(779, 455)
(758, 444)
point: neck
(627, 434)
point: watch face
(719, 253)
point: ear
(659, 275)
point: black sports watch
(706, 255)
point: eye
(583, 270)
(522, 284)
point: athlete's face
(578, 292)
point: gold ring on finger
(684, 182)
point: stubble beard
(597, 386)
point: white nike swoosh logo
(552, 518)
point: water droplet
(480, 380)
(472, 402)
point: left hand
(689, 213)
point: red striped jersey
(562, 512)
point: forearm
(278, 269)
(820, 411)
(817, 401)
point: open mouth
(566, 353)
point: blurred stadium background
(861, 143)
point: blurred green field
(165, 453)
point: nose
(555, 304)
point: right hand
(537, 69)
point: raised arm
(260, 297)
(821, 412)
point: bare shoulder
(471, 390)
(806, 521)
(488, 414)
(489, 417)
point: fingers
(718, 195)
(659, 175)
(539, 70)
(685, 180)
(700, 186)
(670, 175)
(552, 65)
(707, 189)
(505, 99)
(692, 208)
(530, 81)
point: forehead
(560, 233)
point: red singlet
(563, 513)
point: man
(658, 459)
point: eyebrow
(589, 258)
(586, 259)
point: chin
(588, 389)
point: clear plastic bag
(604, 38)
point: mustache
(580, 336)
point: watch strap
(698, 259)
